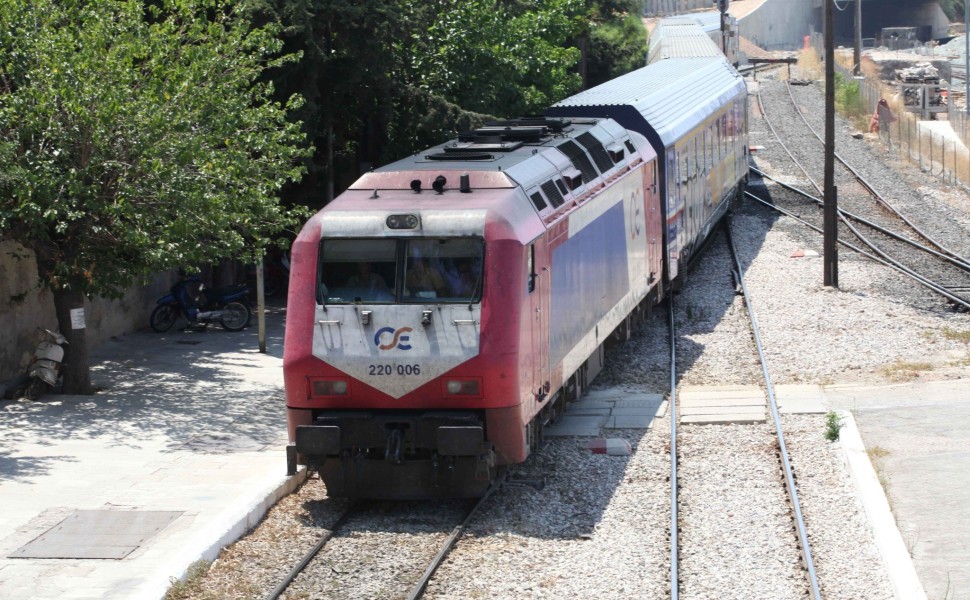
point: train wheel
(163, 317)
(558, 408)
(235, 316)
(533, 434)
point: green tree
(346, 76)
(616, 47)
(612, 39)
(500, 58)
(136, 138)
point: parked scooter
(190, 298)
(45, 367)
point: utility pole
(723, 7)
(830, 208)
(857, 53)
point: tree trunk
(584, 58)
(77, 372)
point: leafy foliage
(136, 139)
(616, 47)
(512, 58)
(390, 77)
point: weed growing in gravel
(833, 424)
(848, 101)
(905, 371)
(185, 589)
(958, 336)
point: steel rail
(785, 461)
(419, 588)
(888, 232)
(938, 288)
(885, 262)
(954, 260)
(879, 198)
(276, 593)
(672, 403)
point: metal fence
(909, 134)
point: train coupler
(392, 449)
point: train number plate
(383, 370)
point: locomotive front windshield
(386, 271)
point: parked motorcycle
(45, 366)
(189, 297)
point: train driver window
(443, 270)
(356, 270)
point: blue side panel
(589, 277)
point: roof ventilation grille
(596, 150)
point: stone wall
(778, 24)
(19, 320)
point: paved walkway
(180, 454)
(918, 437)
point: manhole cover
(98, 534)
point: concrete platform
(608, 408)
(917, 436)
(190, 426)
(800, 399)
(699, 405)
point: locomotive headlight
(463, 387)
(402, 222)
(328, 387)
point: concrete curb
(209, 542)
(899, 564)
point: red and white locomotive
(448, 305)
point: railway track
(399, 580)
(718, 495)
(875, 224)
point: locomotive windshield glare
(431, 337)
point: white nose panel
(395, 352)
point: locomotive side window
(532, 268)
(384, 271)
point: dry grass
(877, 452)
(905, 371)
(957, 336)
(809, 64)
